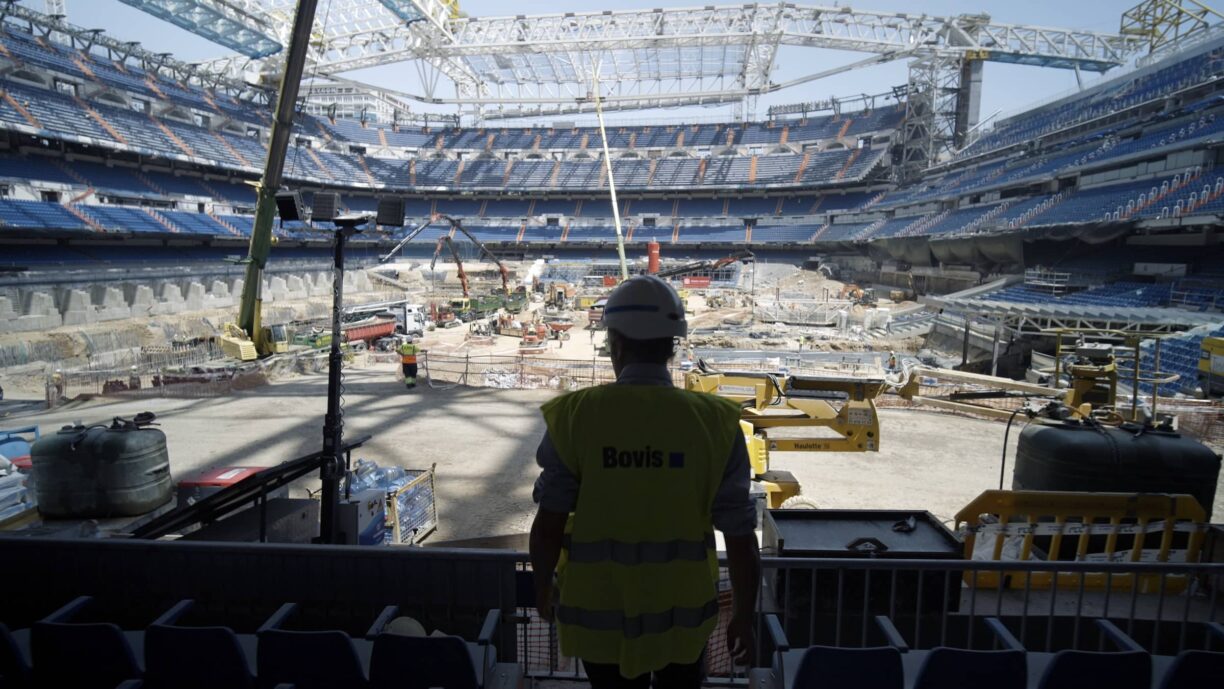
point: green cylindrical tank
(102, 471)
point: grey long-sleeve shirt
(733, 513)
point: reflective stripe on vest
(408, 354)
(637, 625)
(638, 553)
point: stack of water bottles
(411, 510)
(16, 495)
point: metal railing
(834, 602)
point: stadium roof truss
(547, 64)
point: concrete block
(40, 314)
(237, 286)
(113, 306)
(319, 284)
(170, 300)
(194, 300)
(362, 282)
(276, 289)
(350, 282)
(142, 301)
(8, 315)
(218, 296)
(297, 287)
(322, 285)
(78, 308)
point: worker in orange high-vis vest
(408, 360)
(636, 475)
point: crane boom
(408, 238)
(274, 166)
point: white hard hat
(645, 308)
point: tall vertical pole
(333, 423)
(994, 351)
(603, 135)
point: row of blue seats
(67, 649)
(1122, 663)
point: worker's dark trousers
(674, 676)
(410, 373)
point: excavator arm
(446, 240)
(501, 267)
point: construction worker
(635, 476)
(408, 360)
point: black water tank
(1077, 457)
(99, 471)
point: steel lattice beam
(240, 25)
(658, 57)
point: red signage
(696, 282)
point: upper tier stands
(710, 189)
(847, 126)
(1158, 81)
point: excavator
(859, 295)
(470, 308)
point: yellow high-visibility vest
(638, 572)
(408, 353)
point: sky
(1006, 88)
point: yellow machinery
(1211, 367)
(845, 406)
(236, 345)
(1094, 361)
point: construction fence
(1204, 419)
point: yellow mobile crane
(248, 339)
(844, 405)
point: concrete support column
(194, 300)
(78, 308)
(113, 305)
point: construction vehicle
(263, 341)
(468, 309)
(841, 404)
(1211, 367)
(508, 326)
(595, 313)
(560, 296)
(858, 295)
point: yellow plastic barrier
(1135, 527)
